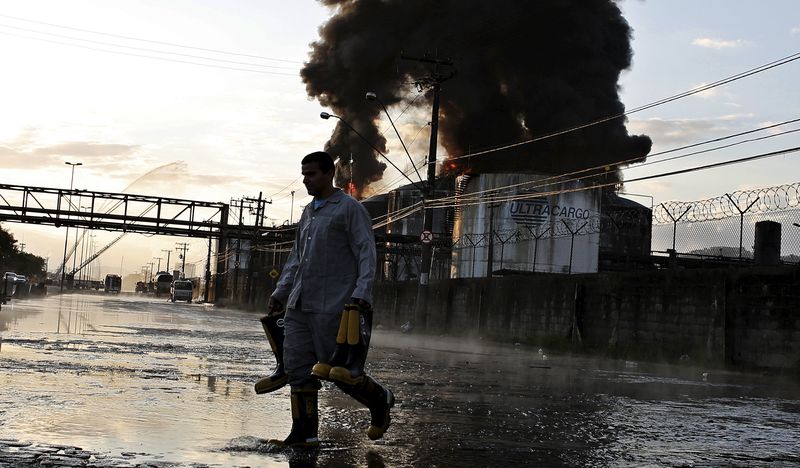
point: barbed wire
(760, 200)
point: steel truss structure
(110, 211)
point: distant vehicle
(8, 287)
(141, 287)
(163, 282)
(113, 284)
(181, 290)
(11, 282)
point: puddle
(144, 381)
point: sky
(211, 126)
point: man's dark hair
(322, 158)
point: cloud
(707, 94)
(87, 149)
(774, 130)
(718, 44)
(25, 153)
(674, 131)
(648, 186)
(796, 30)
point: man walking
(332, 263)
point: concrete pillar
(767, 250)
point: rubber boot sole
(377, 432)
(270, 384)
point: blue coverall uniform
(332, 260)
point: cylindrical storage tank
(537, 225)
(767, 250)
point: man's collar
(335, 197)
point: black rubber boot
(377, 398)
(273, 327)
(305, 420)
(359, 332)
(322, 370)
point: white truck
(181, 290)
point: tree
(22, 263)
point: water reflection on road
(144, 380)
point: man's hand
(275, 306)
(361, 303)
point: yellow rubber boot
(322, 370)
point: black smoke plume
(525, 68)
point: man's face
(315, 180)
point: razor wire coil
(760, 200)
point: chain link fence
(724, 226)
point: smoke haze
(524, 69)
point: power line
(150, 40)
(524, 196)
(699, 89)
(290, 184)
(406, 173)
(149, 50)
(560, 178)
(647, 163)
(147, 56)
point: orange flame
(351, 189)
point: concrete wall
(747, 317)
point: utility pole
(22, 247)
(169, 268)
(66, 237)
(208, 271)
(91, 254)
(158, 267)
(433, 81)
(185, 247)
(250, 291)
(81, 274)
(236, 261)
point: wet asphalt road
(93, 380)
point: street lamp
(371, 96)
(66, 238)
(291, 209)
(326, 116)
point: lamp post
(371, 96)
(326, 116)
(66, 238)
(291, 209)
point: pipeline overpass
(123, 212)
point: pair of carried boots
(345, 369)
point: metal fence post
(675, 221)
(741, 219)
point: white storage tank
(531, 230)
